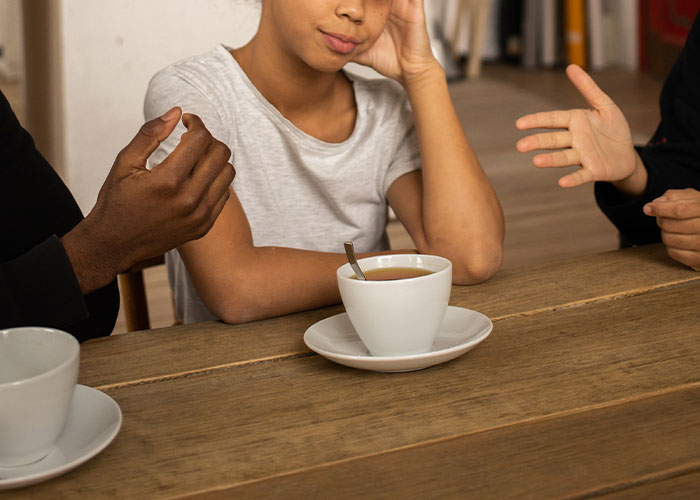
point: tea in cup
(399, 309)
(38, 374)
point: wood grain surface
(680, 486)
(579, 455)
(221, 428)
(139, 356)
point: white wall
(111, 48)
(10, 39)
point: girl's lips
(340, 43)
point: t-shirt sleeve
(407, 157)
(169, 88)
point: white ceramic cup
(38, 374)
(399, 317)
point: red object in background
(672, 19)
(663, 28)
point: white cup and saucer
(399, 321)
(48, 423)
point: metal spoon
(350, 252)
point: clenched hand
(143, 213)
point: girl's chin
(329, 66)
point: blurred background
(76, 71)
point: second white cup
(38, 374)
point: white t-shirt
(296, 190)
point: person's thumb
(149, 137)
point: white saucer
(335, 338)
(93, 421)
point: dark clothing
(672, 157)
(37, 284)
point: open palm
(598, 139)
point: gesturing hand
(140, 213)
(598, 139)
(677, 213)
(403, 49)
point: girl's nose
(353, 10)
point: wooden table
(589, 385)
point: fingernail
(170, 115)
(661, 198)
(647, 209)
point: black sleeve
(672, 156)
(37, 284)
(40, 286)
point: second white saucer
(93, 421)
(335, 338)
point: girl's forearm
(264, 282)
(462, 216)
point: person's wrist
(634, 184)
(424, 74)
(90, 258)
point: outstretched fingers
(587, 87)
(565, 158)
(547, 140)
(544, 119)
(577, 178)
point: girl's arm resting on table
(239, 282)
(450, 209)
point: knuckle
(199, 135)
(167, 185)
(678, 211)
(222, 149)
(224, 195)
(148, 130)
(189, 202)
(171, 184)
(121, 157)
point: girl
(319, 154)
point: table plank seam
(202, 371)
(646, 479)
(599, 299)
(539, 419)
(303, 354)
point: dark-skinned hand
(677, 214)
(143, 213)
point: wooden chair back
(134, 298)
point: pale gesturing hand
(677, 213)
(598, 139)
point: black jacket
(37, 283)
(672, 157)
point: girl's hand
(597, 139)
(402, 51)
(677, 213)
